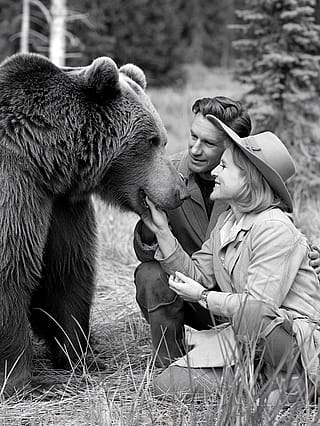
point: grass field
(115, 386)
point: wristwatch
(204, 298)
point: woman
(257, 258)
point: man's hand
(186, 287)
(314, 255)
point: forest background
(271, 47)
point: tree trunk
(57, 44)
(25, 27)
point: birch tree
(57, 45)
(56, 19)
(25, 27)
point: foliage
(217, 40)
(206, 31)
(9, 26)
(159, 36)
(145, 32)
(279, 45)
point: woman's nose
(214, 172)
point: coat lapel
(218, 208)
(236, 249)
(196, 217)
(221, 275)
(234, 244)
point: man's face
(205, 147)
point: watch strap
(203, 301)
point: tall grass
(115, 386)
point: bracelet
(204, 298)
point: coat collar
(247, 220)
(197, 217)
(245, 224)
(185, 171)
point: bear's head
(87, 130)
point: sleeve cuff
(217, 303)
(158, 253)
(177, 260)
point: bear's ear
(102, 77)
(135, 73)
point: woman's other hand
(314, 255)
(186, 287)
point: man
(191, 224)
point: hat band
(251, 145)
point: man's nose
(196, 147)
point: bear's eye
(155, 141)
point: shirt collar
(230, 228)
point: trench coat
(264, 257)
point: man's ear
(135, 73)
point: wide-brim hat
(268, 154)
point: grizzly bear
(66, 134)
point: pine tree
(145, 32)
(217, 17)
(10, 24)
(148, 33)
(279, 57)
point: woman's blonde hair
(255, 194)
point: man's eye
(210, 144)
(194, 137)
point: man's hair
(255, 193)
(230, 112)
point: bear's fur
(66, 134)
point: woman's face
(228, 179)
